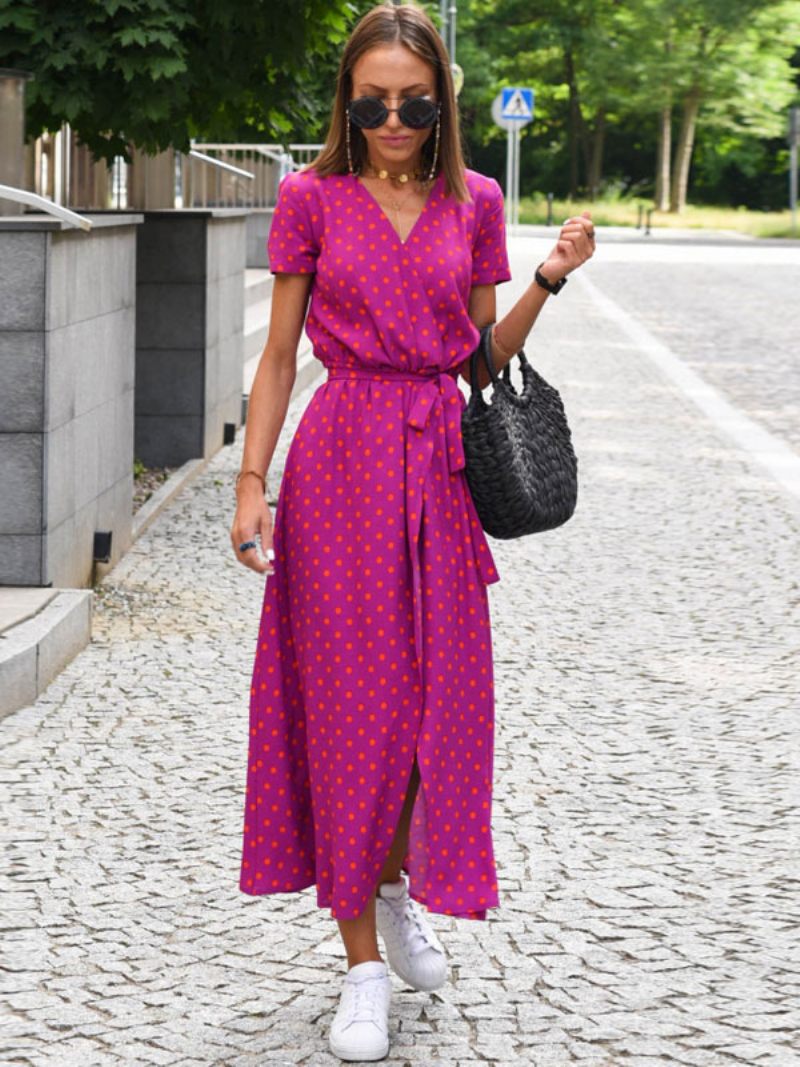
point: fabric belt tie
(435, 385)
(438, 392)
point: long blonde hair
(411, 26)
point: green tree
(724, 63)
(600, 66)
(156, 73)
(745, 82)
(568, 51)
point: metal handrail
(274, 152)
(22, 196)
(233, 145)
(276, 157)
(219, 163)
(261, 157)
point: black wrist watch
(551, 287)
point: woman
(371, 709)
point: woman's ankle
(384, 881)
(390, 878)
(354, 962)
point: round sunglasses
(369, 112)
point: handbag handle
(484, 347)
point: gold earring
(347, 141)
(432, 171)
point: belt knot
(436, 384)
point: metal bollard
(649, 213)
(549, 209)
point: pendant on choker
(403, 177)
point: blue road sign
(517, 104)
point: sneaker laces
(406, 908)
(365, 993)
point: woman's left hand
(575, 244)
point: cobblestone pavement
(646, 814)
(731, 313)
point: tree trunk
(663, 160)
(585, 141)
(595, 171)
(664, 156)
(574, 123)
(683, 152)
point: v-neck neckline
(386, 218)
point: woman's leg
(360, 935)
(394, 861)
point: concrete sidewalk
(645, 808)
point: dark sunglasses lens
(418, 112)
(368, 112)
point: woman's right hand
(575, 244)
(252, 517)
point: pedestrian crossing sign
(517, 104)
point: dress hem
(478, 914)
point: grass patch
(533, 210)
(146, 480)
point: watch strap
(551, 287)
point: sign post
(512, 109)
(794, 139)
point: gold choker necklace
(403, 177)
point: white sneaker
(414, 951)
(360, 1028)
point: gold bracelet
(502, 351)
(261, 478)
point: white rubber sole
(361, 1057)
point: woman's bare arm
(275, 376)
(266, 413)
(517, 323)
(573, 247)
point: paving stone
(645, 807)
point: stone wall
(67, 351)
(189, 331)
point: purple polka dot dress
(374, 642)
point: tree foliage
(158, 72)
(644, 96)
(620, 78)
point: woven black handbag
(521, 467)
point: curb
(164, 495)
(34, 651)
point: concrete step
(42, 629)
(251, 365)
(309, 369)
(256, 328)
(257, 285)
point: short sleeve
(292, 245)
(489, 254)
